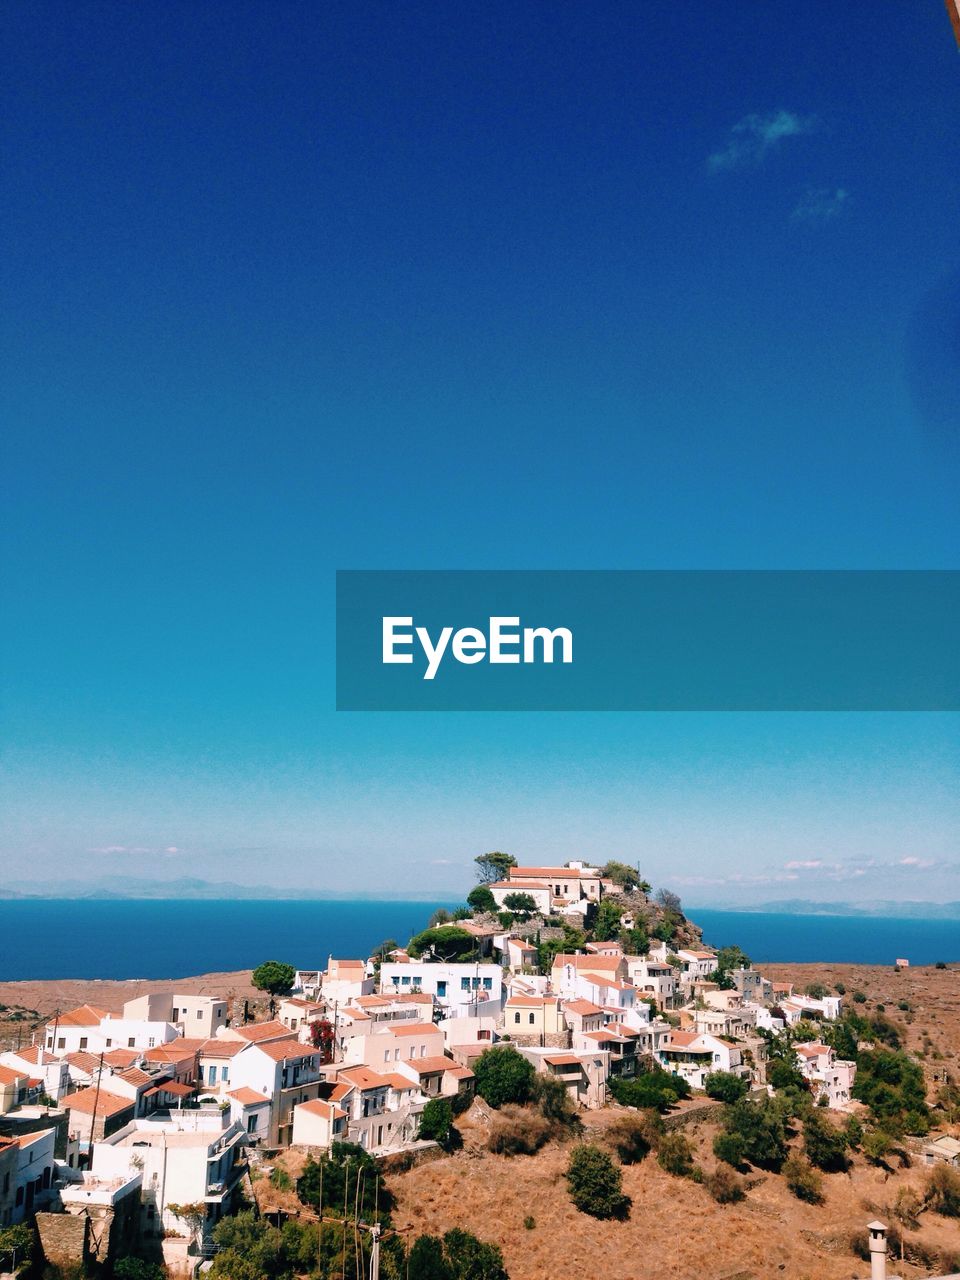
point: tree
(16, 1246)
(436, 1120)
(730, 958)
(632, 1136)
(447, 941)
(596, 1183)
(730, 1148)
(427, 1261)
(481, 900)
(462, 913)
(635, 941)
(625, 876)
(816, 990)
(384, 949)
(658, 1089)
(521, 904)
(606, 922)
(503, 1076)
(553, 1098)
(472, 1259)
(494, 866)
(130, 1268)
(724, 1186)
(824, 1144)
(893, 1087)
(440, 916)
(761, 1129)
(573, 939)
(725, 1086)
(337, 1170)
(670, 902)
(274, 976)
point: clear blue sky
(290, 287)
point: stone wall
(63, 1237)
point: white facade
(830, 1077)
(458, 988)
(195, 1017)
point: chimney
(878, 1250)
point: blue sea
(56, 938)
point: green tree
(16, 1245)
(440, 916)
(633, 1136)
(657, 1089)
(471, 1259)
(426, 1260)
(494, 866)
(725, 1086)
(730, 958)
(337, 1171)
(730, 1148)
(461, 913)
(802, 1179)
(521, 904)
(274, 976)
(553, 1098)
(447, 942)
(760, 1126)
(635, 941)
(481, 900)
(606, 922)
(130, 1268)
(625, 876)
(436, 1121)
(824, 1144)
(503, 1075)
(596, 1183)
(892, 1086)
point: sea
(49, 938)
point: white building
(284, 1071)
(185, 1158)
(26, 1175)
(694, 1056)
(40, 1064)
(196, 1017)
(830, 1077)
(458, 988)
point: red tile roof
(248, 1097)
(107, 1104)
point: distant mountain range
(887, 907)
(131, 887)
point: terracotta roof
(30, 1053)
(282, 1050)
(585, 1008)
(529, 1002)
(812, 1050)
(248, 1097)
(590, 964)
(362, 1078)
(413, 1029)
(172, 1086)
(133, 1075)
(322, 1107)
(413, 997)
(556, 873)
(9, 1076)
(83, 1061)
(87, 1015)
(107, 1104)
(217, 1048)
(562, 1059)
(256, 1032)
(28, 1139)
(397, 1081)
(341, 1091)
(174, 1051)
(121, 1057)
(601, 1036)
(430, 1066)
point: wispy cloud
(170, 849)
(752, 139)
(821, 204)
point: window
(464, 984)
(130, 1042)
(174, 1014)
(61, 1043)
(109, 1043)
(152, 1042)
(224, 1076)
(199, 1013)
(83, 1042)
(488, 984)
(251, 1124)
(441, 989)
(212, 1075)
(516, 1017)
(404, 981)
(531, 1019)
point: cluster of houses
(140, 1122)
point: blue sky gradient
(296, 288)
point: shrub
(942, 1192)
(675, 1155)
(876, 1144)
(724, 1185)
(596, 1183)
(529, 1222)
(893, 1087)
(518, 1131)
(725, 1086)
(802, 1179)
(632, 1136)
(553, 1098)
(859, 998)
(658, 1089)
(436, 1120)
(840, 989)
(130, 1268)
(503, 1076)
(481, 900)
(447, 942)
(816, 990)
(941, 964)
(761, 1128)
(729, 1147)
(824, 1144)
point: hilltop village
(563, 1005)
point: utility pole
(93, 1118)
(375, 1251)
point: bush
(942, 1191)
(130, 1268)
(436, 1121)
(503, 1076)
(518, 1131)
(447, 942)
(658, 1089)
(893, 1087)
(725, 1086)
(876, 1144)
(840, 989)
(859, 998)
(675, 1155)
(724, 1185)
(481, 900)
(553, 1099)
(824, 1144)
(730, 1148)
(596, 1183)
(761, 1129)
(802, 1179)
(633, 1136)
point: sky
(292, 288)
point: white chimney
(878, 1250)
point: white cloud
(806, 864)
(755, 136)
(133, 849)
(820, 204)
